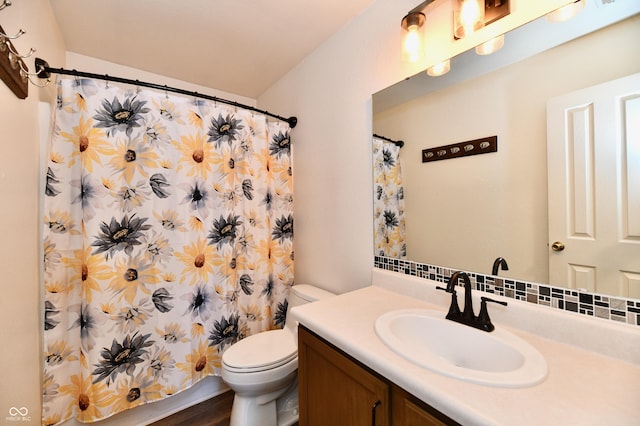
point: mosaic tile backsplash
(602, 306)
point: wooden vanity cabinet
(337, 390)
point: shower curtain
(168, 236)
(388, 204)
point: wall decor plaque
(462, 149)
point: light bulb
(439, 69)
(468, 17)
(490, 46)
(566, 12)
(413, 45)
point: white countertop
(583, 387)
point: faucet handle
(454, 309)
(487, 299)
(483, 317)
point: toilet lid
(264, 350)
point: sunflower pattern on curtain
(168, 236)
(388, 201)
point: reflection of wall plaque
(462, 149)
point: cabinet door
(410, 411)
(335, 390)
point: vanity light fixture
(490, 46)
(439, 69)
(413, 44)
(413, 41)
(468, 15)
(566, 12)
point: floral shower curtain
(388, 201)
(168, 236)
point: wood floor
(213, 412)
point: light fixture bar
(421, 6)
(493, 9)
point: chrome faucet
(499, 263)
(467, 316)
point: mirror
(465, 212)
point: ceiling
(238, 46)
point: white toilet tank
(301, 294)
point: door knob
(557, 246)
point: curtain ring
(5, 3)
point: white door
(593, 152)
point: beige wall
(498, 201)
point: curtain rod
(399, 144)
(44, 71)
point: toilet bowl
(262, 370)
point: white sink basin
(427, 339)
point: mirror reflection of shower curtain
(388, 201)
(168, 236)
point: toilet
(262, 370)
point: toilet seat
(260, 352)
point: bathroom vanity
(344, 367)
(356, 395)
